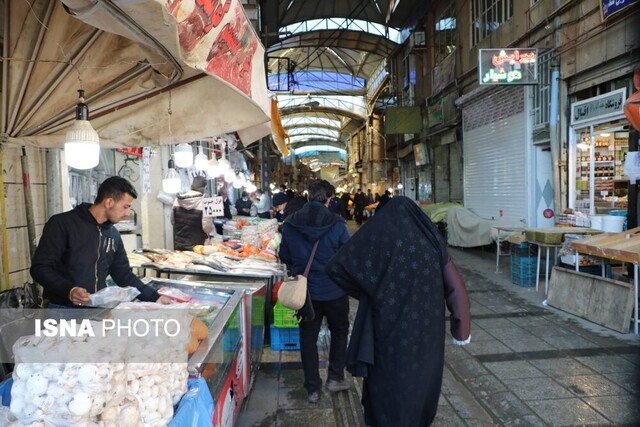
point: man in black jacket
(80, 248)
(315, 223)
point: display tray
(623, 246)
(554, 235)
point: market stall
(549, 238)
(246, 253)
(605, 301)
(226, 328)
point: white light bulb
(213, 169)
(224, 165)
(82, 147)
(201, 162)
(171, 183)
(237, 183)
(183, 156)
(229, 176)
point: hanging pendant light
(82, 143)
(202, 161)
(183, 155)
(213, 170)
(171, 183)
(250, 187)
(224, 166)
(230, 176)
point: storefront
(598, 144)
(498, 156)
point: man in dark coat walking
(359, 202)
(315, 223)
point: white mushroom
(110, 415)
(37, 384)
(87, 374)
(80, 404)
(129, 416)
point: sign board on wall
(508, 66)
(444, 73)
(212, 207)
(402, 120)
(599, 107)
(420, 154)
(611, 7)
(435, 113)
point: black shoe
(334, 385)
(314, 397)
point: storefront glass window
(606, 150)
(424, 184)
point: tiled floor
(528, 365)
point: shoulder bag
(293, 291)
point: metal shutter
(495, 149)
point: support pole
(5, 284)
(28, 202)
(554, 136)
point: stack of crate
(524, 264)
(285, 334)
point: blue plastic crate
(523, 250)
(524, 271)
(285, 338)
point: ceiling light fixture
(171, 183)
(183, 155)
(82, 143)
(201, 162)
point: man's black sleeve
(46, 267)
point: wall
(16, 219)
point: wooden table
(559, 232)
(621, 247)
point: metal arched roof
(328, 48)
(351, 53)
(290, 11)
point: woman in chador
(399, 269)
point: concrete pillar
(377, 148)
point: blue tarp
(5, 391)
(196, 406)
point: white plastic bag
(112, 295)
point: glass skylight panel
(342, 24)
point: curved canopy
(320, 68)
(290, 11)
(351, 53)
(154, 72)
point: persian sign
(610, 7)
(212, 207)
(508, 66)
(145, 167)
(435, 113)
(599, 107)
(444, 73)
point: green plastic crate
(284, 317)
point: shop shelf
(284, 317)
(285, 338)
(524, 271)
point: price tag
(145, 166)
(604, 193)
(212, 207)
